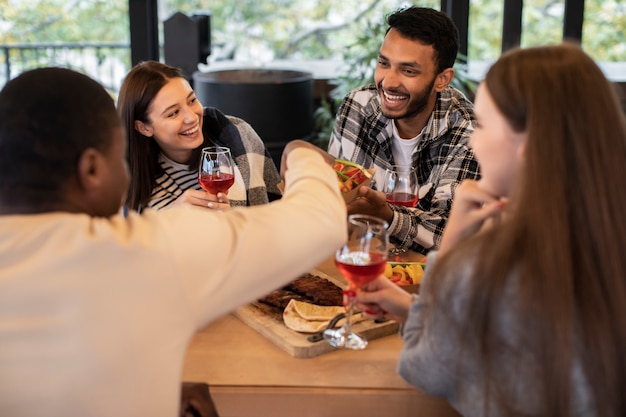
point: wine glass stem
(349, 311)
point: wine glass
(400, 185)
(216, 172)
(401, 188)
(360, 260)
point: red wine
(216, 183)
(359, 268)
(402, 199)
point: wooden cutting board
(268, 321)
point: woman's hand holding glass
(204, 199)
(382, 298)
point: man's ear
(91, 166)
(443, 79)
(143, 128)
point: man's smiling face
(405, 75)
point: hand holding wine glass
(204, 199)
(216, 173)
(360, 260)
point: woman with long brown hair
(167, 127)
(523, 309)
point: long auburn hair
(140, 87)
(561, 243)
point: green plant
(360, 60)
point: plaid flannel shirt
(443, 159)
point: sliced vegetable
(404, 274)
(350, 175)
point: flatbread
(315, 312)
(311, 318)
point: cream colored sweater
(96, 314)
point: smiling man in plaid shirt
(410, 116)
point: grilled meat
(281, 297)
(308, 288)
(319, 290)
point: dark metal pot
(277, 103)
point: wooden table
(249, 376)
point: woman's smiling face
(498, 148)
(175, 120)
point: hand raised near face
(472, 207)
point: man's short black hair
(431, 27)
(48, 117)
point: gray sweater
(433, 360)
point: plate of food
(290, 315)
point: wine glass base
(396, 251)
(340, 338)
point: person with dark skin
(97, 308)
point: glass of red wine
(401, 188)
(216, 173)
(360, 260)
(400, 185)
